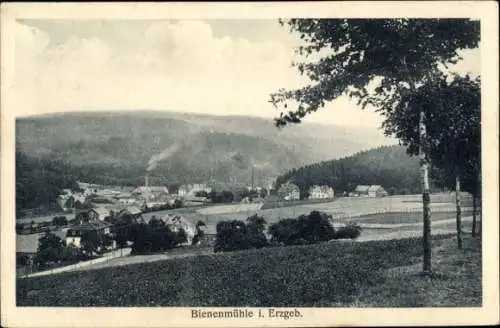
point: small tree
(199, 232)
(315, 227)
(60, 221)
(256, 226)
(231, 236)
(50, 249)
(286, 231)
(181, 236)
(155, 222)
(93, 242)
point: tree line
(308, 229)
(388, 166)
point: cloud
(177, 66)
(180, 66)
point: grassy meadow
(334, 274)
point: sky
(220, 67)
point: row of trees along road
(392, 65)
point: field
(336, 274)
(404, 217)
(387, 210)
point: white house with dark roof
(376, 191)
(321, 192)
(193, 188)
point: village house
(174, 223)
(125, 198)
(132, 211)
(192, 189)
(27, 245)
(361, 190)
(151, 193)
(321, 192)
(66, 202)
(89, 215)
(369, 191)
(76, 235)
(289, 191)
(376, 191)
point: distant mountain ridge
(115, 147)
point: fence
(106, 257)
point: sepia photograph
(247, 169)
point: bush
(285, 232)
(147, 239)
(231, 236)
(199, 233)
(50, 249)
(316, 227)
(306, 229)
(59, 221)
(181, 237)
(351, 230)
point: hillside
(115, 147)
(338, 274)
(388, 166)
(39, 182)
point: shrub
(351, 230)
(50, 249)
(285, 232)
(316, 227)
(147, 239)
(256, 238)
(72, 254)
(231, 236)
(181, 237)
(306, 229)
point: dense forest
(388, 166)
(40, 180)
(115, 147)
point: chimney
(147, 189)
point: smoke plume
(156, 159)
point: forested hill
(115, 147)
(388, 166)
(40, 181)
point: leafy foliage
(153, 237)
(51, 249)
(398, 56)
(355, 52)
(306, 229)
(351, 230)
(231, 236)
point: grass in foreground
(455, 281)
(337, 274)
